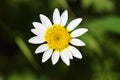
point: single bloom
(56, 39)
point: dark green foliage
(101, 55)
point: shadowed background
(101, 55)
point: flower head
(56, 40)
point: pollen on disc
(57, 37)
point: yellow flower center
(57, 37)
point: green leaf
(111, 23)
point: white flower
(56, 39)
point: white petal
(75, 52)
(36, 40)
(41, 48)
(47, 54)
(56, 16)
(55, 57)
(74, 23)
(79, 32)
(45, 21)
(39, 32)
(38, 25)
(65, 59)
(77, 42)
(64, 18)
(67, 53)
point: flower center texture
(57, 37)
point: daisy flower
(57, 40)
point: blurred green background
(101, 55)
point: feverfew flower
(56, 40)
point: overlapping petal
(68, 54)
(45, 21)
(65, 59)
(79, 32)
(38, 25)
(47, 54)
(55, 57)
(64, 18)
(36, 40)
(75, 52)
(41, 48)
(39, 32)
(77, 42)
(74, 23)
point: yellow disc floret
(57, 37)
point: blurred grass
(101, 55)
(26, 52)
